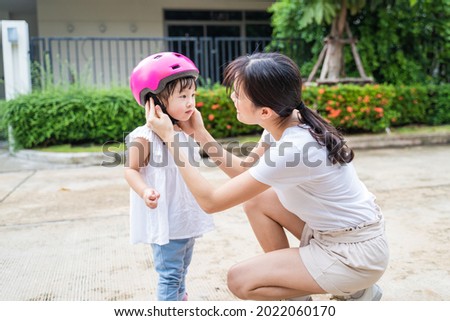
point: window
(217, 23)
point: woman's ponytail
(326, 135)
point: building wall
(121, 18)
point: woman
(299, 178)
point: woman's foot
(372, 293)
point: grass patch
(68, 148)
(417, 129)
(120, 147)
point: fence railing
(106, 62)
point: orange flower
(321, 91)
(379, 95)
(200, 104)
(215, 106)
(228, 126)
(366, 99)
(211, 117)
(349, 109)
(334, 113)
(380, 111)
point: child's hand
(158, 121)
(150, 197)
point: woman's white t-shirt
(178, 215)
(323, 195)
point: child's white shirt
(178, 215)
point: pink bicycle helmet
(153, 73)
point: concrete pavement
(64, 231)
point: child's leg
(187, 261)
(169, 264)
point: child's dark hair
(273, 80)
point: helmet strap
(163, 107)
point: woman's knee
(236, 282)
(253, 205)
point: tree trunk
(333, 61)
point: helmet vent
(175, 66)
(157, 57)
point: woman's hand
(158, 121)
(194, 125)
(150, 197)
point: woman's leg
(276, 275)
(269, 218)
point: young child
(163, 211)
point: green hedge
(219, 113)
(3, 122)
(73, 116)
(78, 116)
(353, 108)
(373, 108)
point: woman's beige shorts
(346, 260)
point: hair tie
(300, 106)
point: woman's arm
(210, 198)
(229, 163)
(213, 199)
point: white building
(139, 18)
(135, 19)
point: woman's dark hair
(273, 80)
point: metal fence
(107, 62)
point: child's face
(181, 104)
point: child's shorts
(344, 261)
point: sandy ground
(64, 232)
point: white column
(16, 61)
(16, 58)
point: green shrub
(353, 108)
(73, 116)
(219, 114)
(438, 112)
(3, 122)
(411, 103)
(78, 116)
